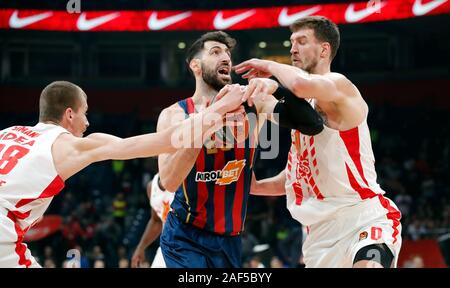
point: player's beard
(310, 68)
(211, 77)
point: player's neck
(51, 122)
(203, 94)
(321, 69)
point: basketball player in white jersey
(330, 179)
(160, 201)
(36, 160)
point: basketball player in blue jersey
(212, 181)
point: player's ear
(68, 113)
(196, 66)
(326, 50)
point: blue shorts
(185, 246)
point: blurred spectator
(49, 263)
(119, 209)
(276, 263)
(414, 262)
(255, 262)
(99, 264)
(124, 263)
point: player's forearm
(105, 138)
(291, 77)
(273, 186)
(184, 159)
(152, 231)
(188, 133)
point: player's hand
(233, 96)
(259, 88)
(138, 258)
(254, 68)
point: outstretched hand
(254, 68)
(234, 95)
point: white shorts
(158, 261)
(13, 253)
(334, 243)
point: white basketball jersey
(160, 200)
(28, 178)
(329, 171)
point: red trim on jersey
(202, 193)
(364, 193)
(352, 143)
(313, 152)
(393, 214)
(190, 105)
(219, 196)
(316, 190)
(21, 249)
(298, 193)
(52, 189)
(238, 195)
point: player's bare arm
(301, 83)
(71, 154)
(182, 159)
(337, 97)
(273, 186)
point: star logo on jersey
(231, 172)
(363, 235)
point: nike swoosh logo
(157, 24)
(285, 20)
(16, 22)
(420, 9)
(220, 23)
(84, 24)
(352, 16)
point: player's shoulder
(172, 109)
(170, 115)
(343, 84)
(338, 78)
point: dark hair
(56, 98)
(199, 44)
(324, 29)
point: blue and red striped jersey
(214, 195)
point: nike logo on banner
(84, 24)
(220, 23)
(16, 22)
(420, 9)
(352, 16)
(285, 20)
(157, 24)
